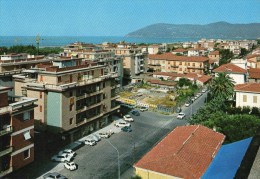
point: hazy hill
(214, 30)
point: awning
(27, 135)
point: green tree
(243, 52)
(222, 86)
(226, 56)
(184, 82)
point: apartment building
(169, 62)
(16, 132)
(14, 63)
(197, 51)
(253, 60)
(215, 55)
(238, 74)
(247, 94)
(75, 96)
(134, 61)
(97, 54)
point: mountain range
(222, 30)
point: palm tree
(222, 86)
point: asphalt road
(101, 160)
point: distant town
(130, 110)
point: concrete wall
(148, 174)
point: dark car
(135, 112)
(126, 129)
(54, 175)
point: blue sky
(115, 17)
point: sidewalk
(128, 174)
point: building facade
(73, 100)
(247, 95)
(168, 62)
(16, 132)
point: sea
(61, 41)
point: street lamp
(117, 157)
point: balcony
(5, 172)
(23, 102)
(6, 151)
(194, 67)
(6, 130)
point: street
(101, 160)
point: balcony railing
(24, 101)
(5, 172)
(6, 151)
(7, 130)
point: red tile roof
(159, 82)
(168, 74)
(252, 56)
(180, 50)
(214, 53)
(186, 152)
(172, 57)
(248, 87)
(202, 78)
(229, 68)
(254, 73)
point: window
(244, 98)
(59, 79)
(70, 78)
(26, 154)
(180, 63)
(71, 107)
(40, 108)
(71, 93)
(27, 135)
(40, 95)
(71, 121)
(26, 115)
(104, 84)
(254, 99)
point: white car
(122, 124)
(70, 165)
(104, 135)
(61, 158)
(187, 104)
(68, 151)
(90, 142)
(94, 137)
(181, 115)
(144, 109)
(128, 118)
(204, 90)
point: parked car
(90, 142)
(70, 165)
(135, 112)
(187, 104)
(104, 135)
(181, 115)
(126, 129)
(68, 151)
(95, 137)
(54, 175)
(128, 118)
(192, 99)
(204, 90)
(61, 158)
(122, 124)
(143, 108)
